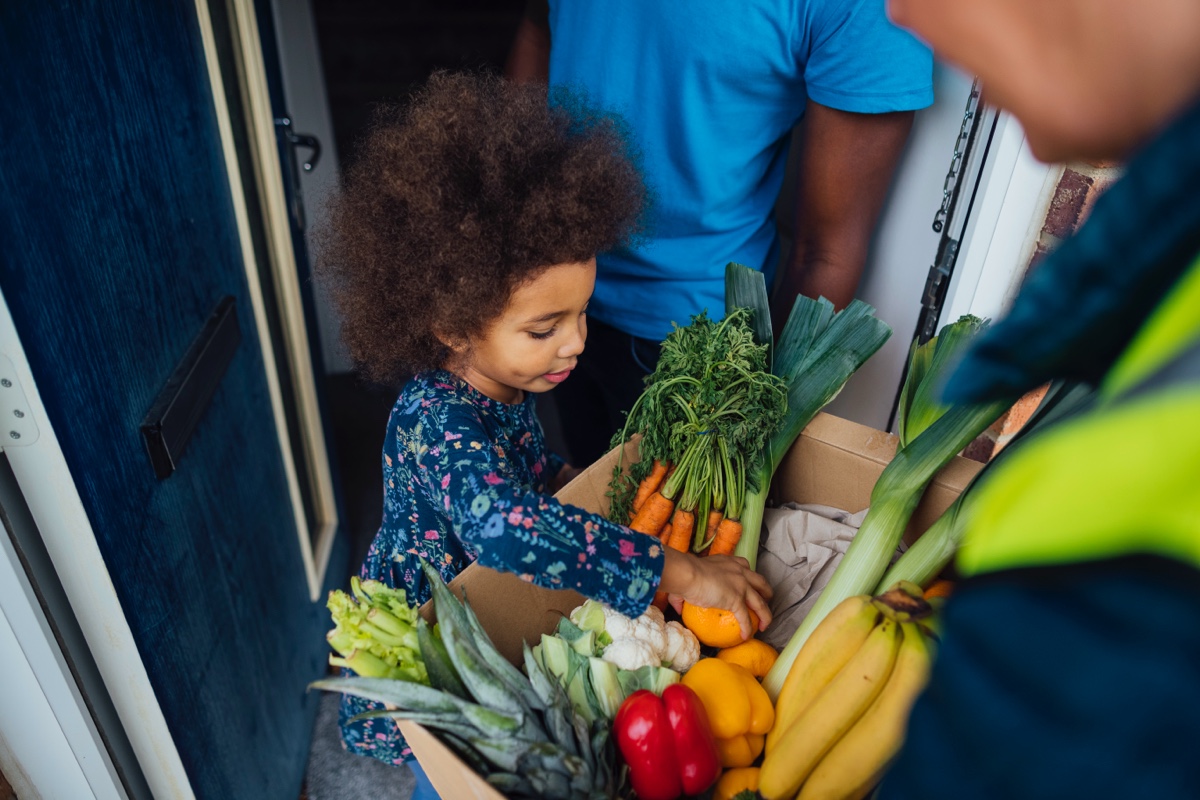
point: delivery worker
(1070, 660)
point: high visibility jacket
(1069, 665)
(1070, 660)
(1122, 479)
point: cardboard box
(835, 462)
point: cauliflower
(635, 642)
(649, 628)
(628, 652)
(683, 648)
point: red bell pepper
(667, 743)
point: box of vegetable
(833, 462)
(525, 692)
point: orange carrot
(664, 535)
(682, 525)
(653, 515)
(728, 534)
(650, 484)
(710, 530)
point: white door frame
(49, 744)
(1000, 237)
(41, 470)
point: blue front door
(119, 240)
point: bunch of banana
(841, 715)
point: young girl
(461, 249)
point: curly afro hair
(458, 197)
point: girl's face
(533, 345)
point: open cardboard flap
(834, 462)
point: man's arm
(846, 164)
(529, 58)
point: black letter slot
(169, 423)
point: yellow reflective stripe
(1171, 327)
(1124, 479)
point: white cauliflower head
(683, 648)
(629, 652)
(650, 627)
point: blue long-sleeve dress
(465, 479)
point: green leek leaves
(817, 352)
(930, 435)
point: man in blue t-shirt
(711, 91)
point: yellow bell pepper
(740, 751)
(739, 709)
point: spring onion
(930, 554)
(930, 435)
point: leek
(930, 554)
(930, 435)
(817, 352)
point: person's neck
(489, 388)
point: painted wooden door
(119, 241)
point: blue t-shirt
(711, 90)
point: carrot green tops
(465, 479)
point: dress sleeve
(537, 537)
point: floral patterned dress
(464, 480)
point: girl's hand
(717, 582)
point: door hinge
(934, 293)
(17, 428)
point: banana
(833, 712)
(832, 643)
(904, 602)
(857, 762)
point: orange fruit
(735, 781)
(714, 627)
(939, 588)
(753, 654)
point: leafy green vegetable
(817, 352)
(930, 554)
(587, 617)
(937, 433)
(596, 687)
(375, 632)
(708, 408)
(521, 734)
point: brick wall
(1081, 183)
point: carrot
(650, 484)
(653, 515)
(728, 534)
(710, 530)
(664, 535)
(681, 530)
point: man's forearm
(816, 272)
(847, 162)
(529, 58)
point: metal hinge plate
(17, 428)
